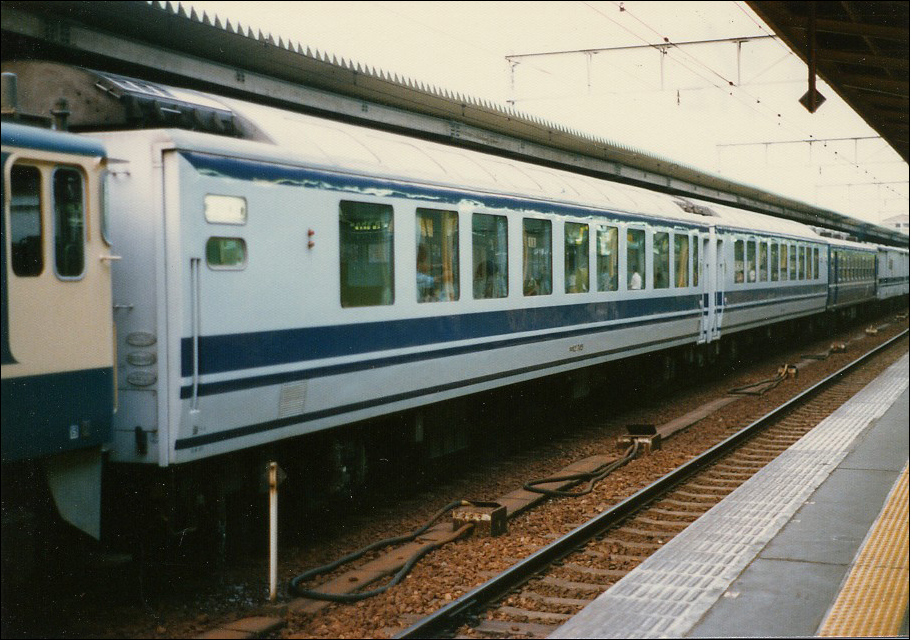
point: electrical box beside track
(488, 518)
(645, 435)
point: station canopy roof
(860, 49)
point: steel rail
(456, 612)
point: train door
(712, 287)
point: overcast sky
(714, 106)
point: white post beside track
(273, 531)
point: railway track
(534, 596)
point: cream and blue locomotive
(57, 334)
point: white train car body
(233, 327)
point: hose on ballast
(295, 588)
(592, 477)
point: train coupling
(787, 371)
(488, 518)
(644, 435)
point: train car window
(576, 257)
(763, 261)
(225, 253)
(69, 223)
(696, 265)
(491, 255)
(681, 259)
(775, 262)
(366, 234)
(792, 262)
(661, 251)
(802, 263)
(607, 258)
(26, 252)
(537, 257)
(437, 256)
(783, 262)
(636, 272)
(225, 209)
(739, 260)
(750, 260)
(809, 272)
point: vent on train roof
(149, 104)
(96, 100)
(691, 207)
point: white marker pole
(273, 531)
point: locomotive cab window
(607, 258)
(537, 258)
(69, 223)
(576, 257)
(437, 255)
(636, 272)
(26, 252)
(366, 232)
(490, 244)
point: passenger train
(224, 280)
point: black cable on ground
(356, 597)
(593, 477)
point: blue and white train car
(771, 270)
(892, 272)
(57, 333)
(851, 275)
(332, 273)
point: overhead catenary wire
(728, 86)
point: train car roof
(32, 137)
(280, 136)
(851, 244)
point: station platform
(815, 544)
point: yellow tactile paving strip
(873, 598)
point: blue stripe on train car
(233, 352)
(262, 427)
(53, 413)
